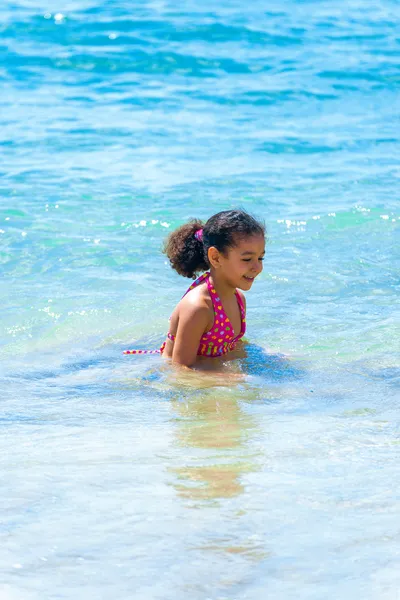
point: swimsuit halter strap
(199, 280)
(213, 294)
(215, 298)
(240, 302)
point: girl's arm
(193, 322)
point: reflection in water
(215, 435)
(213, 420)
(251, 548)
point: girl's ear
(214, 257)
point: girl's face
(241, 264)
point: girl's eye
(249, 259)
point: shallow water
(119, 478)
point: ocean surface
(121, 479)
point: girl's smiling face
(241, 264)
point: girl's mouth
(248, 278)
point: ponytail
(185, 251)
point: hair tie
(199, 235)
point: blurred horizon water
(121, 478)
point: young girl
(210, 319)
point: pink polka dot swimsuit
(221, 338)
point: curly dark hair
(188, 255)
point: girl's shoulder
(198, 297)
(195, 306)
(195, 300)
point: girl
(210, 319)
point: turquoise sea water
(120, 479)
